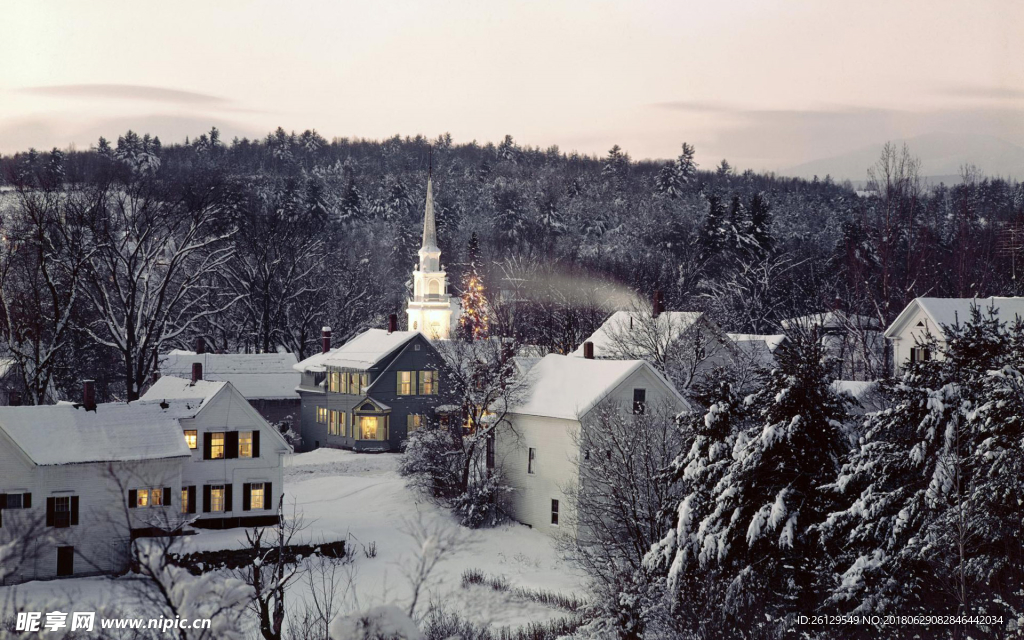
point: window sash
(256, 500)
(245, 444)
(413, 422)
(217, 498)
(405, 382)
(428, 383)
(14, 500)
(321, 415)
(372, 428)
(217, 446)
(184, 499)
(532, 458)
(191, 438)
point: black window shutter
(256, 443)
(207, 447)
(268, 496)
(206, 498)
(74, 510)
(26, 501)
(246, 496)
(231, 444)
(192, 499)
(167, 496)
(3, 500)
(227, 495)
(50, 508)
(133, 498)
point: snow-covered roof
(948, 311)
(568, 387)
(361, 352)
(771, 341)
(175, 388)
(671, 323)
(114, 432)
(257, 376)
(831, 320)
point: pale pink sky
(766, 84)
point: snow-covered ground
(361, 498)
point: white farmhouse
(926, 317)
(685, 344)
(233, 476)
(79, 481)
(537, 450)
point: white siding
(101, 535)
(556, 442)
(229, 411)
(911, 333)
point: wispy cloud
(695, 106)
(126, 92)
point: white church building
(431, 310)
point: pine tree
(931, 497)
(713, 233)
(686, 168)
(475, 318)
(760, 222)
(745, 538)
(667, 182)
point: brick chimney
(89, 395)
(588, 350)
(325, 340)
(200, 345)
(197, 372)
(657, 304)
(392, 323)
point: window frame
(321, 415)
(405, 387)
(531, 461)
(191, 438)
(554, 512)
(214, 488)
(223, 445)
(242, 444)
(262, 495)
(427, 382)
(639, 401)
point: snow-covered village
(449, 321)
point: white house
(537, 450)
(683, 343)
(266, 380)
(79, 481)
(233, 476)
(925, 317)
(854, 340)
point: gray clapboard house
(371, 392)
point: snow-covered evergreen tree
(475, 318)
(932, 509)
(745, 543)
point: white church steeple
(431, 310)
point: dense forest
(112, 255)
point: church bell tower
(431, 309)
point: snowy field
(362, 499)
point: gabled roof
(831, 320)
(114, 432)
(568, 387)
(361, 352)
(770, 341)
(257, 376)
(174, 388)
(948, 311)
(672, 323)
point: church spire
(429, 230)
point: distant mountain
(941, 156)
